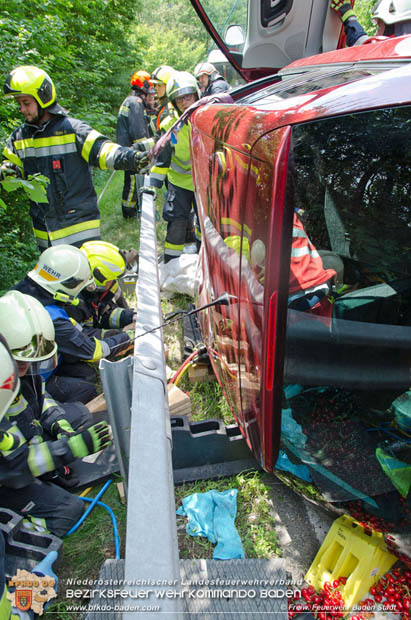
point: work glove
(92, 440)
(343, 8)
(8, 169)
(141, 161)
(62, 428)
(125, 348)
(8, 441)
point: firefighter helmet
(140, 80)
(206, 68)
(392, 11)
(63, 271)
(30, 80)
(182, 83)
(9, 378)
(29, 331)
(161, 75)
(105, 260)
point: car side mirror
(234, 36)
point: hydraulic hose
(90, 508)
(114, 521)
(183, 366)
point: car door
(259, 37)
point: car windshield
(307, 82)
(225, 13)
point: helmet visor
(41, 367)
(38, 349)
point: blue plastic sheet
(212, 514)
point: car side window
(348, 338)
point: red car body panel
(238, 163)
(391, 48)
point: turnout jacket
(219, 85)
(74, 343)
(30, 417)
(99, 309)
(63, 150)
(174, 160)
(132, 127)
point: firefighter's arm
(71, 340)
(40, 458)
(53, 418)
(98, 151)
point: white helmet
(9, 378)
(29, 331)
(392, 11)
(63, 271)
(206, 68)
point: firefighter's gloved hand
(343, 8)
(62, 428)
(8, 441)
(125, 348)
(8, 169)
(91, 440)
(141, 161)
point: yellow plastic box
(348, 551)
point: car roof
(270, 111)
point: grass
(86, 549)
(254, 520)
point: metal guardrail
(151, 558)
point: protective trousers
(131, 201)
(47, 505)
(74, 382)
(179, 207)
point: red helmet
(140, 80)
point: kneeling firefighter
(61, 273)
(48, 435)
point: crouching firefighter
(100, 308)
(47, 437)
(61, 273)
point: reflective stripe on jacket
(63, 150)
(174, 160)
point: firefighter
(210, 80)
(61, 148)
(98, 308)
(9, 389)
(132, 129)
(174, 164)
(61, 273)
(392, 18)
(159, 78)
(48, 438)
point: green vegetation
(254, 521)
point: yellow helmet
(30, 80)
(161, 75)
(105, 260)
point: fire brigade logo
(23, 599)
(30, 591)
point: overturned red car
(303, 187)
